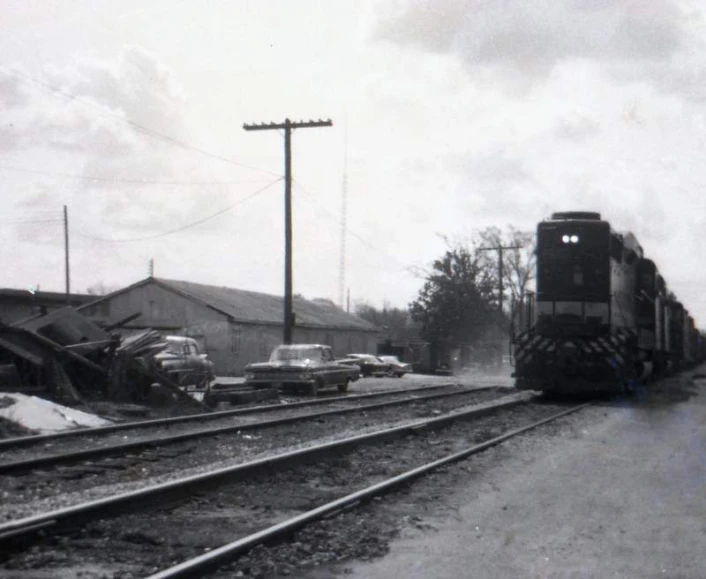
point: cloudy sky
(457, 115)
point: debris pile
(39, 415)
(64, 356)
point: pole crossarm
(500, 249)
(288, 126)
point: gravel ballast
(41, 491)
(137, 544)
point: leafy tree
(456, 303)
(391, 318)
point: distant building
(16, 304)
(236, 327)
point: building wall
(230, 345)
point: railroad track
(249, 500)
(34, 481)
(9, 444)
(22, 462)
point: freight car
(603, 318)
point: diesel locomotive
(602, 318)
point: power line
(118, 180)
(59, 93)
(188, 225)
(416, 271)
(20, 222)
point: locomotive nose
(568, 357)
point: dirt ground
(620, 493)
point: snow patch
(45, 416)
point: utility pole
(66, 255)
(344, 227)
(288, 125)
(501, 272)
(152, 267)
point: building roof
(258, 308)
(248, 306)
(42, 296)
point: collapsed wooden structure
(64, 356)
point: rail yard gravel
(40, 491)
(138, 544)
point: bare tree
(518, 262)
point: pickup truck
(308, 367)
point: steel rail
(21, 441)
(22, 529)
(215, 558)
(102, 451)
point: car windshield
(285, 354)
(175, 346)
(390, 359)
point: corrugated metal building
(235, 326)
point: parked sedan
(397, 368)
(369, 365)
(307, 366)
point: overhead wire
(416, 271)
(188, 225)
(119, 180)
(21, 222)
(59, 93)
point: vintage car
(397, 368)
(184, 363)
(308, 367)
(369, 365)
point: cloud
(577, 126)
(92, 107)
(138, 86)
(526, 40)
(12, 93)
(84, 119)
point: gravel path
(617, 491)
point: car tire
(399, 374)
(314, 388)
(344, 387)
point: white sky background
(459, 115)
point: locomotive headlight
(565, 238)
(574, 239)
